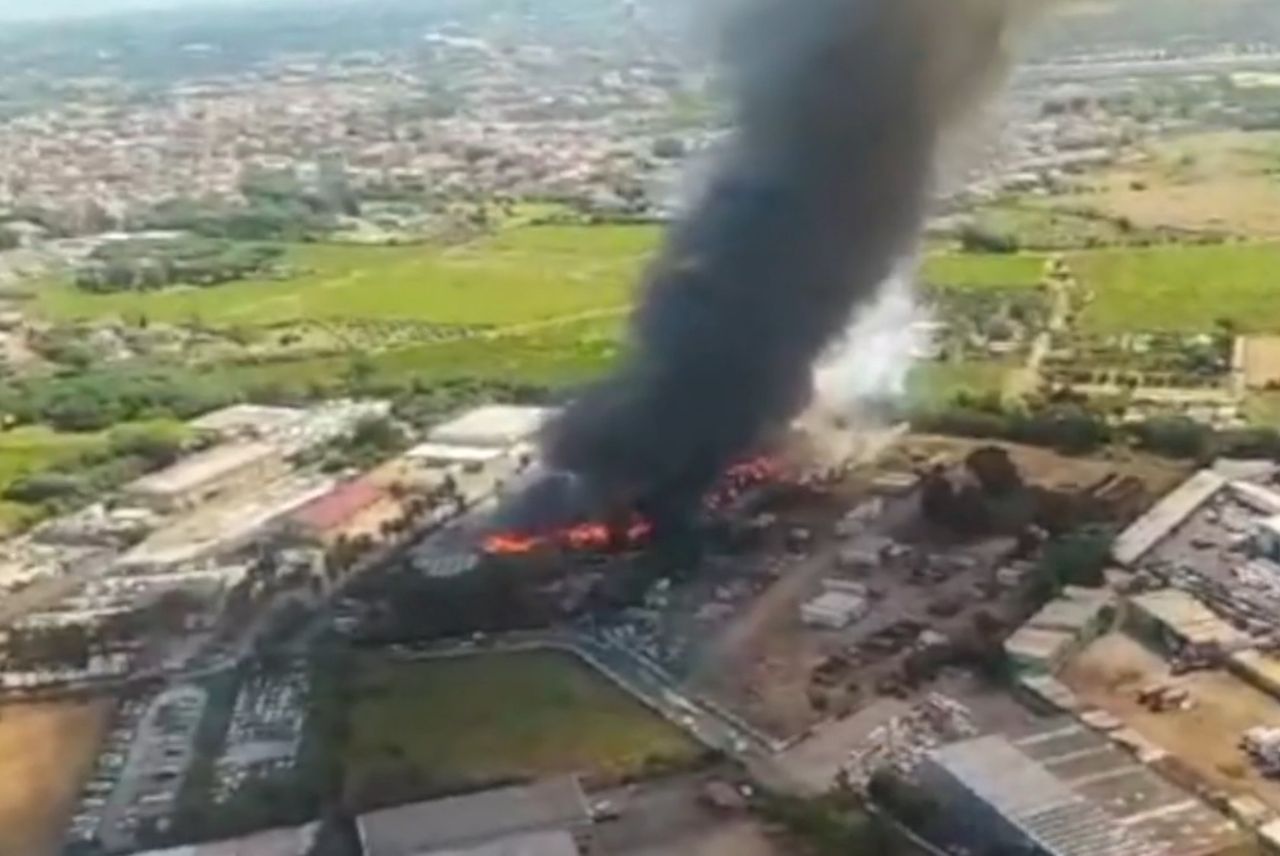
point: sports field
(1181, 287)
(448, 723)
(516, 276)
(46, 750)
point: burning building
(816, 199)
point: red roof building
(338, 507)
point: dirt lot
(46, 750)
(1109, 674)
(1215, 181)
(1046, 467)
(1261, 360)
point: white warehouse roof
(1165, 516)
(497, 425)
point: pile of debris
(903, 742)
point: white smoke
(871, 362)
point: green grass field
(1181, 288)
(518, 275)
(28, 450)
(485, 718)
(33, 448)
(936, 384)
(981, 270)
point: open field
(983, 270)
(33, 448)
(935, 384)
(28, 450)
(1261, 361)
(46, 750)
(1221, 181)
(1109, 674)
(518, 275)
(452, 723)
(1185, 288)
(1042, 227)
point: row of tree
(146, 265)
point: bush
(1175, 437)
(976, 239)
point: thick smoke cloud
(821, 190)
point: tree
(976, 239)
(1175, 437)
(994, 470)
(9, 239)
(157, 447)
(1077, 558)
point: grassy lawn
(936, 384)
(1263, 408)
(486, 718)
(32, 448)
(518, 275)
(568, 353)
(1182, 288)
(27, 450)
(983, 270)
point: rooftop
(558, 843)
(274, 842)
(198, 469)
(1186, 615)
(474, 819)
(452, 453)
(1036, 643)
(497, 425)
(1165, 516)
(1040, 804)
(248, 417)
(339, 505)
(1069, 613)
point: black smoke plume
(840, 106)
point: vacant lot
(46, 750)
(1216, 182)
(520, 275)
(1261, 361)
(1181, 287)
(448, 724)
(1111, 671)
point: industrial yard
(1112, 671)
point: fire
(594, 536)
(582, 538)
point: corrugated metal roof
(1047, 811)
(495, 425)
(1165, 516)
(1037, 644)
(199, 469)
(339, 505)
(474, 819)
(557, 843)
(1188, 617)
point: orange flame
(598, 536)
